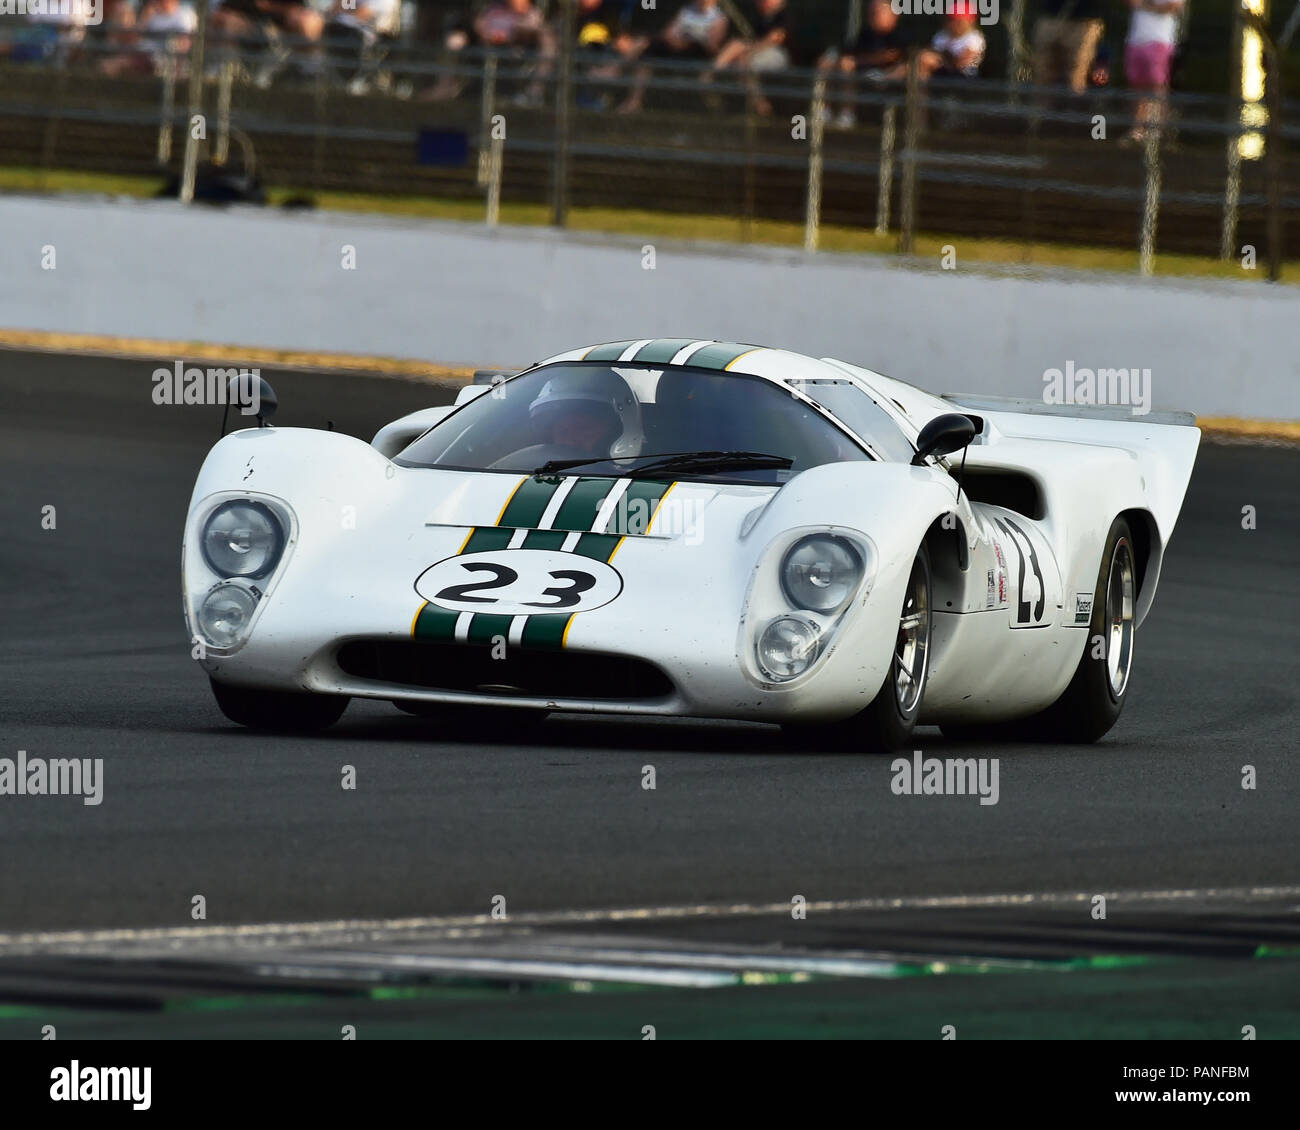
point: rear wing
(1023, 407)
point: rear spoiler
(1078, 411)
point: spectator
(119, 36)
(168, 25)
(604, 44)
(1099, 71)
(767, 51)
(457, 36)
(1148, 55)
(363, 20)
(603, 25)
(242, 18)
(1066, 39)
(161, 28)
(505, 25)
(879, 51)
(697, 32)
(957, 49)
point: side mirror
(943, 435)
(252, 400)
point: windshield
(858, 412)
(600, 413)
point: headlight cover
(788, 647)
(804, 586)
(242, 538)
(226, 613)
(820, 573)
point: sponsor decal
(990, 598)
(1002, 570)
(1083, 608)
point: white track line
(309, 931)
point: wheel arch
(1148, 553)
(947, 542)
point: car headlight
(226, 612)
(788, 647)
(820, 572)
(242, 539)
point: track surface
(94, 663)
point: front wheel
(888, 722)
(285, 712)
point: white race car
(691, 528)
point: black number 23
(565, 597)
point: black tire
(1090, 705)
(887, 724)
(285, 712)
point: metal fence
(836, 157)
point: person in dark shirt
(605, 45)
(767, 51)
(880, 50)
(696, 33)
(1066, 37)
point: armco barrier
(461, 293)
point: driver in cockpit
(575, 416)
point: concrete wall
(461, 293)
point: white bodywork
(1008, 630)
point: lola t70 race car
(692, 528)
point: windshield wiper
(680, 461)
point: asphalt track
(94, 663)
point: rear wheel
(278, 711)
(888, 722)
(1092, 703)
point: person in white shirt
(1148, 54)
(957, 50)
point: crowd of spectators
(619, 43)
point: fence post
(221, 151)
(1237, 110)
(816, 136)
(749, 186)
(1273, 158)
(52, 124)
(191, 165)
(563, 102)
(1273, 138)
(1151, 205)
(320, 105)
(1231, 197)
(495, 165)
(885, 187)
(485, 123)
(168, 111)
(911, 142)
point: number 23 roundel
(519, 582)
